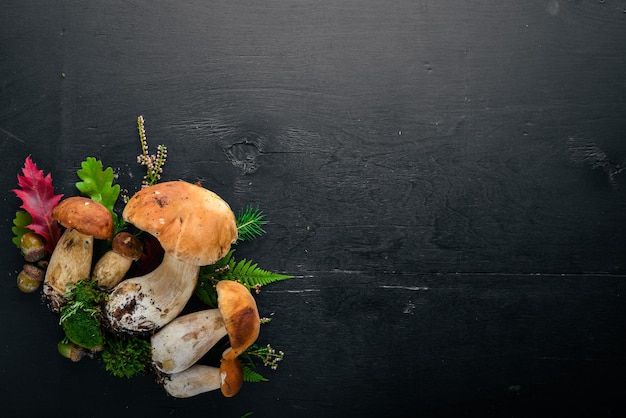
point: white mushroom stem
(200, 378)
(182, 342)
(189, 337)
(115, 263)
(110, 269)
(69, 263)
(193, 381)
(149, 302)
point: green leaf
(250, 223)
(97, 183)
(250, 275)
(20, 226)
(251, 376)
(209, 276)
(206, 293)
(245, 272)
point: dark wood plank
(443, 178)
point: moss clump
(82, 327)
(126, 356)
(80, 317)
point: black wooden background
(443, 179)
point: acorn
(30, 278)
(32, 247)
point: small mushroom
(115, 263)
(84, 220)
(182, 342)
(195, 227)
(201, 378)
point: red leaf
(38, 199)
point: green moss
(126, 356)
(80, 317)
(82, 327)
(86, 292)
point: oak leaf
(38, 199)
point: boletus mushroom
(115, 263)
(195, 227)
(182, 342)
(201, 378)
(70, 262)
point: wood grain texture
(443, 178)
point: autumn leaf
(38, 199)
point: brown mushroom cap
(127, 245)
(241, 316)
(84, 215)
(231, 375)
(192, 223)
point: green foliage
(251, 376)
(245, 272)
(251, 276)
(20, 226)
(126, 356)
(250, 223)
(97, 183)
(208, 278)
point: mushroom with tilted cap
(70, 262)
(115, 263)
(195, 227)
(182, 342)
(201, 378)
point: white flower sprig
(153, 163)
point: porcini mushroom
(182, 342)
(115, 263)
(84, 220)
(201, 378)
(195, 227)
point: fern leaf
(209, 276)
(250, 275)
(251, 376)
(206, 293)
(245, 271)
(250, 223)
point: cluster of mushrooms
(195, 227)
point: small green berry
(71, 351)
